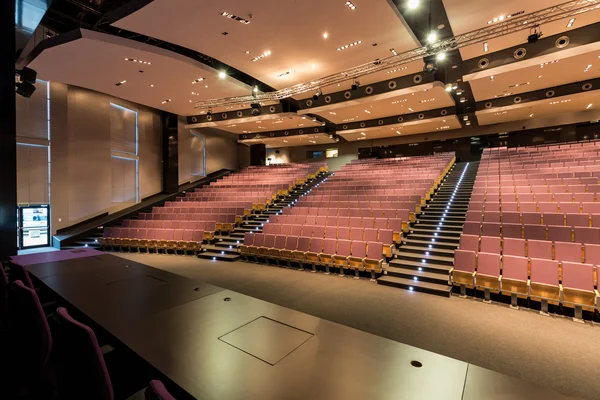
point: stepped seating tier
(532, 228)
(352, 220)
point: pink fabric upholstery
(539, 249)
(515, 268)
(587, 235)
(488, 264)
(567, 252)
(490, 244)
(464, 260)
(544, 271)
(537, 232)
(592, 253)
(576, 275)
(512, 230)
(513, 247)
(469, 242)
(560, 233)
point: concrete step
(209, 255)
(424, 250)
(424, 259)
(219, 250)
(425, 243)
(437, 239)
(419, 266)
(415, 286)
(417, 276)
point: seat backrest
(532, 218)
(375, 251)
(343, 247)
(472, 228)
(560, 233)
(557, 219)
(329, 246)
(291, 243)
(248, 238)
(488, 264)
(359, 249)
(490, 229)
(279, 242)
(570, 208)
(512, 230)
(303, 243)
(464, 260)
(592, 253)
(536, 232)
(316, 245)
(79, 360)
(469, 242)
(513, 247)
(511, 217)
(370, 235)
(29, 329)
(259, 239)
(576, 275)
(587, 235)
(539, 249)
(582, 220)
(157, 391)
(544, 271)
(474, 216)
(514, 267)
(490, 244)
(491, 216)
(19, 272)
(564, 251)
(386, 236)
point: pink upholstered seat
(539, 249)
(587, 235)
(513, 247)
(544, 271)
(537, 232)
(469, 242)
(514, 268)
(510, 217)
(464, 260)
(531, 218)
(564, 251)
(488, 264)
(560, 233)
(490, 244)
(512, 230)
(576, 275)
(472, 228)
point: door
(34, 226)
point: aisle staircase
(225, 246)
(423, 260)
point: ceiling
(97, 62)
(467, 16)
(425, 97)
(408, 128)
(292, 31)
(587, 101)
(293, 141)
(288, 36)
(275, 122)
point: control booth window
(315, 154)
(331, 153)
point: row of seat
(535, 218)
(152, 239)
(570, 283)
(555, 233)
(560, 251)
(526, 206)
(537, 197)
(384, 236)
(343, 254)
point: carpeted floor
(550, 351)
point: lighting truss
(509, 26)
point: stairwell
(425, 257)
(225, 246)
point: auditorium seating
(542, 205)
(182, 225)
(352, 220)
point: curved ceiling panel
(299, 39)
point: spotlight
(355, 85)
(255, 109)
(534, 36)
(441, 56)
(448, 87)
(209, 113)
(412, 4)
(28, 75)
(317, 95)
(432, 37)
(429, 67)
(255, 90)
(222, 75)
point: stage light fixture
(448, 87)
(534, 35)
(317, 95)
(28, 75)
(222, 75)
(209, 113)
(255, 109)
(441, 56)
(432, 37)
(429, 67)
(412, 4)
(255, 89)
(355, 84)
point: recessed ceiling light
(286, 73)
(138, 61)
(530, 115)
(151, 85)
(559, 102)
(205, 86)
(197, 80)
(571, 22)
(412, 4)
(410, 109)
(368, 112)
(222, 75)
(399, 133)
(325, 35)
(166, 101)
(394, 53)
(349, 45)
(485, 47)
(263, 55)
(503, 17)
(519, 84)
(332, 113)
(364, 134)
(587, 68)
(351, 5)
(548, 63)
(426, 101)
(190, 101)
(247, 51)
(397, 69)
(120, 83)
(539, 76)
(235, 18)
(589, 106)
(492, 78)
